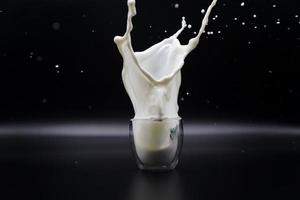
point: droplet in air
(235, 19)
(255, 27)
(219, 32)
(81, 71)
(274, 5)
(176, 5)
(243, 23)
(39, 58)
(187, 93)
(93, 31)
(56, 66)
(195, 33)
(203, 11)
(166, 31)
(243, 4)
(254, 16)
(44, 100)
(270, 72)
(189, 26)
(181, 99)
(56, 26)
(296, 16)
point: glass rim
(155, 119)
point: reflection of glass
(159, 186)
(156, 143)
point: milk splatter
(152, 78)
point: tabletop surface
(94, 161)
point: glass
(156, 144)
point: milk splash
(152, 78)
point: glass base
(156, 144)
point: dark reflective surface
(229, 165)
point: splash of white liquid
(152, 78)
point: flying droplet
(189, 26)
(235, 19)
(243, 23)
(44, 100)
(56, 66)
(176, 5)
(274, 5)
(56, 26)
(243, 4)
(203, 11)
(254, 16)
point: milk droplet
(243, 23)
(176, 5)
(166, 31)
(44, 100)
(296, 16)
(187, 93)
(255, 27)
(249, 42)
(189, 26)
(278, 22)
(274, 5)
(265, 26)
(203, 11)
(195, 33)
(56, 26)
(93, 31)
(242, 4)
(39, 58)
(219, 32)
(235, 19)
(181, 99)
(150, 26)
(57, 71)
(81, 71)
(254, 16)
(56, 66)
(270, 71)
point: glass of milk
(156, 144)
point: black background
(242, 73)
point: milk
(152, 79)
